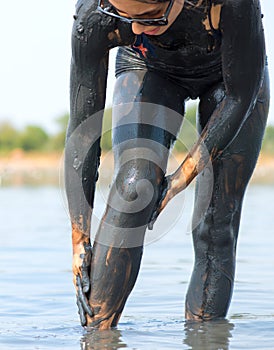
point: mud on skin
(207, 53)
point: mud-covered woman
(168, 52)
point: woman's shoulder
(91, 25)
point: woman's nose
(137, 28)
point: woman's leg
(215, 229)
(143, 130)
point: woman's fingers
(82, 301)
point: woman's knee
(136, 187)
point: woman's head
(152, 17)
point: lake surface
(38, 310)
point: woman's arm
(82, 152)
(92, 36)
(89, 65)
(243, 61)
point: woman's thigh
(146, 105)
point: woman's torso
(189, 52)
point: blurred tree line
(32, 137)
(35, 138)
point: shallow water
(38, 310)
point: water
(38, 309)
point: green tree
(57, 142)
(9, 137)
(188, 134)
(106, 142)
(33, 138)
(268, 141)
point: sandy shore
(19, 168)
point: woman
(169, 51)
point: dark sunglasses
(162, 21)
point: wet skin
(220, 59)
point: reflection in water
(213, 335)
(97, 340)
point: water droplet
(77, 163)
(80, 28)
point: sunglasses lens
(147, 23)
(152, 23)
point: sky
(35, 60)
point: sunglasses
(161, 21)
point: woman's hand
(173, 184)
(81, 279)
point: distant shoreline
(19, 168)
